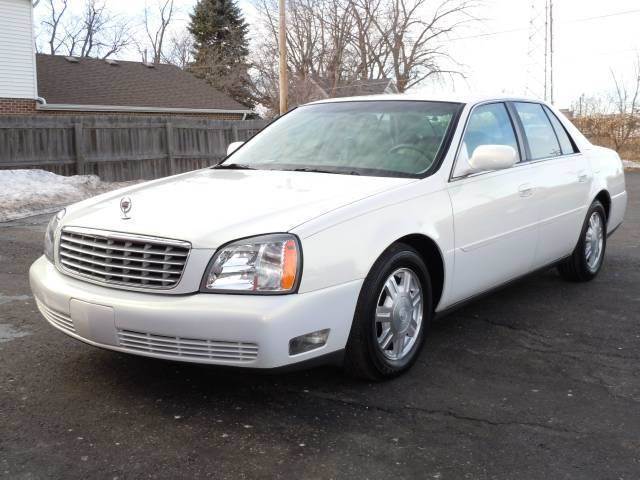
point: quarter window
(488, 125)
(540, 135)
(563, 137)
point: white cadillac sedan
(334, 235)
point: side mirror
(233, 147)
(492, 157)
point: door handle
(525, 190)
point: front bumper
(235, 330)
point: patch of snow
(13, 298)
(24, 193)
(9, 332)
(631, 164)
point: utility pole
(546, 50)
(283, 58)
(551, 48)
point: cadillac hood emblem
(125, 207)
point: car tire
(582, 266)
(370, 353)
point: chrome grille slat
(108, 246)
(106, 273)
(171, 348)
(121, 259)
(120, 267)
(190, 342)
(187, 347)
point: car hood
(210, 207)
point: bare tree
(52, 23)
(613, 119)
(180, 50)
(102, 34)
(318, 38)
(340, 42)
(625, 99)
(155, 33)
(370, 47)
(414, 37)
(95, 33)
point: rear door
(495, 213)
(563, 178)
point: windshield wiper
(233, 166)
(320, 170)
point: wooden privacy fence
(118, 148)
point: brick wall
(21, 106)
(209, 116)
(17, 106)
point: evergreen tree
(221, 48)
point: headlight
(267, 264)
(50, 234)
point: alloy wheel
(399, 313)
(594, 241)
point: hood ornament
(125, 207)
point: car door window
(563, 137)
(489, 125)
(540, 135)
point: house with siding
(35, 84)
(18, 77)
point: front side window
(541, 137)
(488, 124)
(382, 138)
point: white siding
(17, 59)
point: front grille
(187, 347)
(56, 318)
(122, 259)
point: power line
(524, 29)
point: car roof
(423, 97)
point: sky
(592, 38)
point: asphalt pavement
(540, 380)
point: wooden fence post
(79, 150)
(234, 131)
(170, 149)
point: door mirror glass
(233, 147)
(492, 157)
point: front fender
(346, 250)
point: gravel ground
(539, 380)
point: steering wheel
(406, 146)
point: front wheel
(586, 260)
(392, 315)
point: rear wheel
(392, 315)
(586, 260)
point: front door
(495, 213)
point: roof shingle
(132, 84)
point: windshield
(387, 138)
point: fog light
(310, 341)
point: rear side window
(563, 137)
(540, 135)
